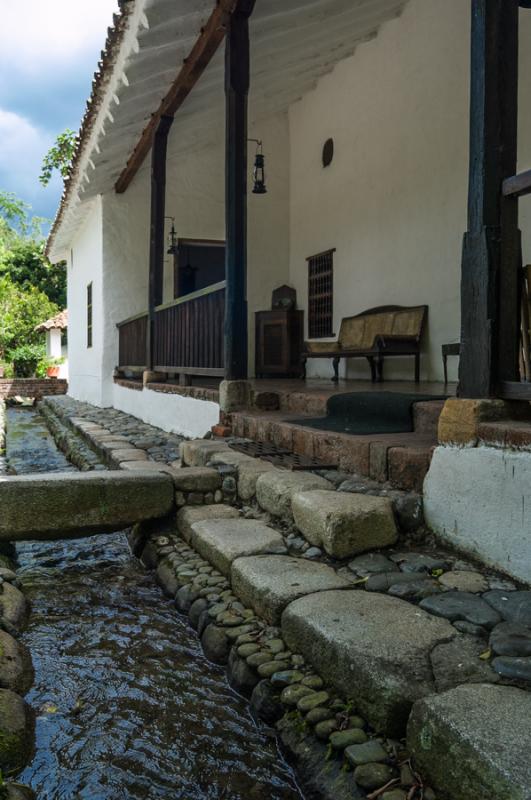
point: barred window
(320, 294)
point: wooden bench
(374, 334)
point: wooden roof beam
(194, 65)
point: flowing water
(127, 706)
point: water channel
(127, 706)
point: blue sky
(49, 50)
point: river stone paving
(372, 648)
(344, 524)
(473, 742)
(275, 489)
(510, 639)
(268, 583)
(518, 669)
(187, 516)
(513, 606)
(59, 505)
(221, 541)
(462, 606)
(459, 661)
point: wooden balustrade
(132, 337)
(188, 333)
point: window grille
(89, 315)
(320, 294)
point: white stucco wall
(477, 499)
(84, 267)
(171, 412)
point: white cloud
(23, 146)
(44, 33)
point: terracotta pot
(52, 372)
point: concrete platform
(269, 583)
(221, 541)
(372, 648)
(472, 743)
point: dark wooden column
(491, 249)
(237, 69)
(156, 236)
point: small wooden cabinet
(279, 341)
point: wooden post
(156, 237)
(237, 69)
(492, 247)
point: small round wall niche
(328, 152)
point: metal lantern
(259, 185)
(173, 246)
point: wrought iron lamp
(259, 185)
(173, 246)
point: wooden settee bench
(374, 334)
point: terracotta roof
(108, 55)
(60, 321)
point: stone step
(472, 742)
(189, 515)
(345, 524)
(374, 649)
(221, 541)
(402, 458)
(275, 489)
(69, 505)
(426, 416)
(268, 584)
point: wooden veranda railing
(132, 338)
(188, 333)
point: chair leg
(303, 369)
(417, 368)
(379, 368)
(336, 361)
(445, 366)
(370, 359)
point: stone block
(371, 648)
(69, 505)
(196, 479)
(344, 524)
(221, 541)
(198, 452)
(16, 669)
(248, 474)
(408, 466)
(129, 454)
(460, 417)
(16, 732)
(187, 516)
(471, 743)
(269, 583)
(275, 489)
(234, 395)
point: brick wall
(32, 387)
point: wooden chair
(375, 334)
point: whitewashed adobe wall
(84, 267)
(477, 499)
(393, 202)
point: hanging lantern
(259, 186)
(173, 246)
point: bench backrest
(359, 332)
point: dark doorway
(198, 263)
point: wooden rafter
(194, 65)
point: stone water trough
(72, 505)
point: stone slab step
(269, 583)
(472, 742)
(221, 541)
(275, 489)
(188, 515)
(372, 648)
(343, 523)
(198, 452)
(68, 505)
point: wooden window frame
(321, 317)
(89, 315)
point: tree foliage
(20, 311)
(22, 257)
(59, 157)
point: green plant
(26, 358)
(59, 157)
